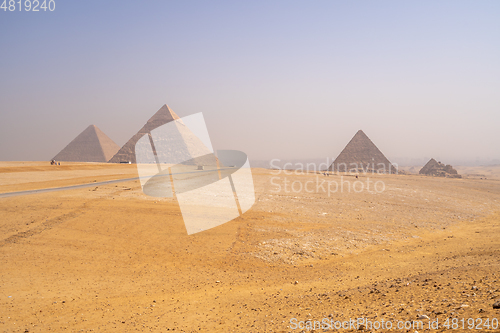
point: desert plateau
(108, 258)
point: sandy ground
(110, 259)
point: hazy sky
(275, 79)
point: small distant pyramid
(361, 155)
(127, 152)
(435, 168)
(92, 145)
(427, 169)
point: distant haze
(280, 79)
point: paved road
(74, 187)
(64, 188)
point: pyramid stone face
(92, 145)
(435, 168)
(176, 144)
(127, 152)
(361, 155)
(427, 169)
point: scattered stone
(496, 305)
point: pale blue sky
(275, 79)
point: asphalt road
(64, 188)
(74, 187)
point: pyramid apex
(164, 111)
(96, 129)
(360, 132)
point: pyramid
(175, 143)
(435, 168)
(427, 169)
(92, 145)
(361, 155)
(127, 152)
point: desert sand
(108, 258)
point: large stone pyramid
(127, 152)
(361, 155)
(92, 145)
(435, 168)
